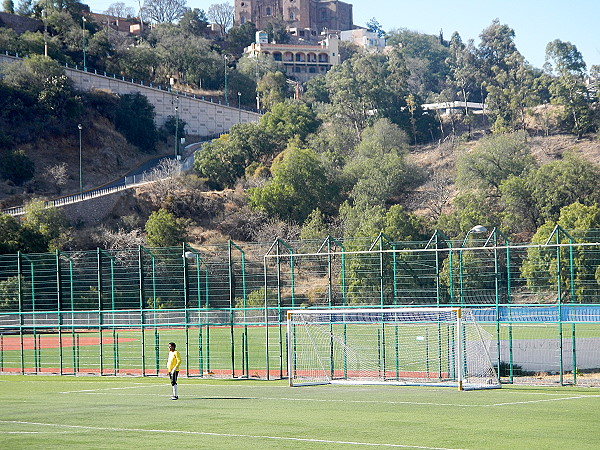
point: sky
(535, 22)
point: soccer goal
(406, 346)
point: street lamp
(83, 40)
(80, 127)
(226, 93)
(475, 229)
(45, 17)
(177, 128)
(239, 107)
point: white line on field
(546, 400)
(232, 435)
(392, 402)
(106, 391)
(36, 432)
(377, 402)
(87, 391)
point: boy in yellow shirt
(173, 364)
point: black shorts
(173, 377)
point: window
(242, 20)
(291, 15)
(268, 11)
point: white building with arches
(302, 61)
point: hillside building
(304, 19)
(369, 40)
(302, 61)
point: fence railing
(227, 302)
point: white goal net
(409, 346)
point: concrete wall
(202, 117)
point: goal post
(406, 346)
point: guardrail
(20, 210)
(129, 181)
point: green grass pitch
(129, 412)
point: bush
(134, 119)
(16, 166)
(165, 230)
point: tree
(25, 8)
(120, 10)
(10, 234)
(497, 44)
(222, 15)
(368, 87)
(540, 268)
(539, 195)
(240, 37)
(560, 183)
(31, 74)
(8, 6)
(16, 166)
(271, 89)
(358, 90)
(424, 57)
(163, 229)
(57, 94)
(135, 120)
(189, 58)
(139, 62)
(566, 63)
(464, 75)
(9, 292)
(194, 21)
(224, 160)
(223, 164)
(276, 30)
(401, 225)
(374, 26)
(377, 170)
(299, 185)
(289, 119)
(315, 91)
(494, 159)
(162, 11)
(44, 228)
(509, 78)
(250, 70)
(314, 227)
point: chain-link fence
(113, 311)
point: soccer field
(129, 412)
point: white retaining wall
(203, 118)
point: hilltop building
(304, 19)
(302, 61)
(362, 37)
(123, 26)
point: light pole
(45, 17)
(80, 127)
(83, 40)
(226, 93)
(239, 107)
(475, 229)
(177, 128)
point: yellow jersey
(174, 361)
